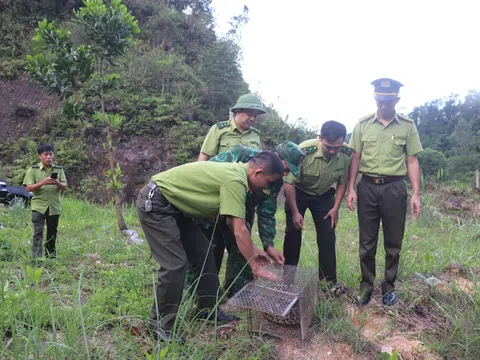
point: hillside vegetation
(172, 84)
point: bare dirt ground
(21, 102)
(457, 203)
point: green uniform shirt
(203, 188)
(47, 196)
(317, 173)
(383, 148)
(225, 135)
(266, 199)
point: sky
(316, 59)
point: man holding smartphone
(45, 180)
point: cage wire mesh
(283, 309)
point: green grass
(92, 301)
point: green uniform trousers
(39, 220)
(388, 203)
(176, 241)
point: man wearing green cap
(386, 146)
(326, 163)
(224, 135)
(237, 273)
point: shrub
(432, 163)
(186, 140)
(463, 167)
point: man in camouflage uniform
(45, 180)
(386, 145)
(326, 163)
(222, 137)
(237, 273)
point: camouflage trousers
(238, 273)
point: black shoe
(168, 337)
(389, 299)
(364, 299)
(217, 315)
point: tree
(464, 138)
(59, 68)
(220, 69)
(275, 130)
(236, 25)
(185, 27)
(221, 73)
(55, 64)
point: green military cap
(386, 89)
(249, 101)
(292, 154)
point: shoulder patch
(366, 118)
(256, 130)
(346, 150)
(58, 166)
(310, 149)
(404, 118)
(223, 124)
(35, 166)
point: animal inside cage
(283, 309)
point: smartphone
(54, 175)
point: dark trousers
(38, 220)
(221, 241)
(386, 203)
(319, 206)
(176, 241)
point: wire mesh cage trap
(283, 309)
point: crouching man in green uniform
(265, 201)
(326, 164)
(45, 180)
(166, 208)
(386, 145)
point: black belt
(381, 180)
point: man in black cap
(386, 145)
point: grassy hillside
(93, 300)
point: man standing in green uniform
(265, 201)
(45, 180)
(386, 145)
(166, 208)
(222, 137)
(326, 163)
